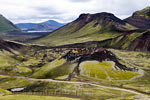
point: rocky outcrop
(98, 54)
(108, 21)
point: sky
(22, 11)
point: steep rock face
(141, 43)
(140, 19)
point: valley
(36, 69)
(95, 57)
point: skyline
(22, 11)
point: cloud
(65, 10)
(79, 0)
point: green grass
(139, 60)
(9, 82)
(82, 90)
(49, 70)
(24, 70)
(7, 62)
(3, 76)
(105, 70)
(71, 34)
(4, 92)
(33, 97)
(137, 97)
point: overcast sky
(65, 10)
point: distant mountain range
(7, 26)
(49, 26)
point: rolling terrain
(96, 57)
(92, 73)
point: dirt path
(83, 83)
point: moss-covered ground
(32, 64)
(105, 70)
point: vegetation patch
(33, 97)
(105, 70)
(49, 70)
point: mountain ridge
(88, 27)
(140, 19)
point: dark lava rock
(99, 54)
(106, 17)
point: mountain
(53, 23)
(25, 26)
(7, 26)
(49, 25)
(87, 27)
(140, 19)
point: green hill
(136, 40)
(87, 27)
(6, 26)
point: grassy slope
(85, 91)
(2, 92)
(121, 42)
(32, 97)
(56, 69)
(12, 63)
(105, 70)
(68, 34)
(138, 97)
(6, 61)
(6, 26)
(52, 70)
(124, 41)
(136, 59)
